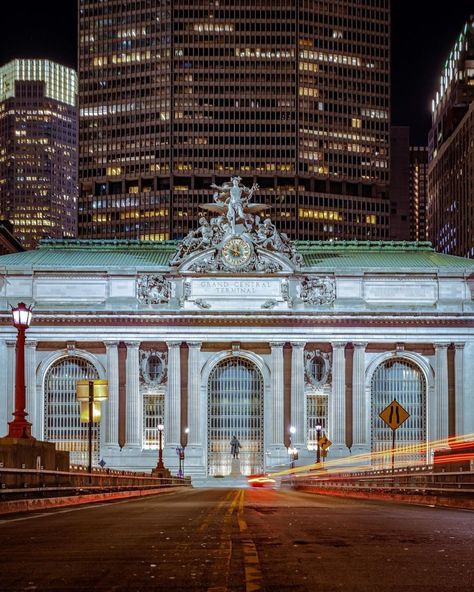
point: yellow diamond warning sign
(394, 415)
(324, 442)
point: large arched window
(235, 407)
(402, 380)
(62, 423)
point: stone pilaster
(112, 413)
(30, 384)
(337, 402)
(297, 396)
(360, 440)
(460, 404)
(133, 406)
(173, 406)
(277, 453)
(441, 410)
(194, 392)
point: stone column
(173, 402)
(297, 396)
(360, 441)
(459, 405)
(30, 383)
(194, 392)
(3, 393)
(337, 401)
(112, 414)
(277, 453)
(133, 407)
(441, 401)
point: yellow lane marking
(253, 574)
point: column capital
(173, 344)
(111, 344)
(132, 344)
(32, 343)
(277, 344)
(298, 344)
(339, 345)
(194, 344)
(10, 342)
(441, 345)
(459, 345)
(360, 344)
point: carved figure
(318, 290)
(153, 289)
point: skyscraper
(175, 95)
(450, 220)
(38, 149)
(418, 188)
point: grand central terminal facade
(236, 330)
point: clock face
(236, 252)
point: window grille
(62, 411)
(235, 407)
(401, 380)
(153, 416)
(316, 414)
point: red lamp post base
(19, 428)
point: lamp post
(90, 393)
(20, 427)
(318, 448)
(293, 452)
(160, 464)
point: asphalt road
(239, 540)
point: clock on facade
(236, 252)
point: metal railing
(418, 480)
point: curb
(32, 505)
(420, 500)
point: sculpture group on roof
(236, 215)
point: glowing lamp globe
(21, 316)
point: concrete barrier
(32, 505)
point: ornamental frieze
(318, 290)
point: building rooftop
(109, 255)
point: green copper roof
(393, 255)
(93, 254)
(324, 255)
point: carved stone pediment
(153, 289)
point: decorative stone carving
(153, 368)
(236, 216)
(318, 290)
(202, 303)
(271, 303)
(285, 292)
(186, 293)
(153, 289)
(317, 366)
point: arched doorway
(235, 407)
(62, 411)
(399, 379)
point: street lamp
(160, 464)
(318, 448)
(292, 451)
(90, 393)
(20, 427)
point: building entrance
(235, 407)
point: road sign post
(394, 415)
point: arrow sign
(324, 442)
(394, 415)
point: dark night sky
(422, 36)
